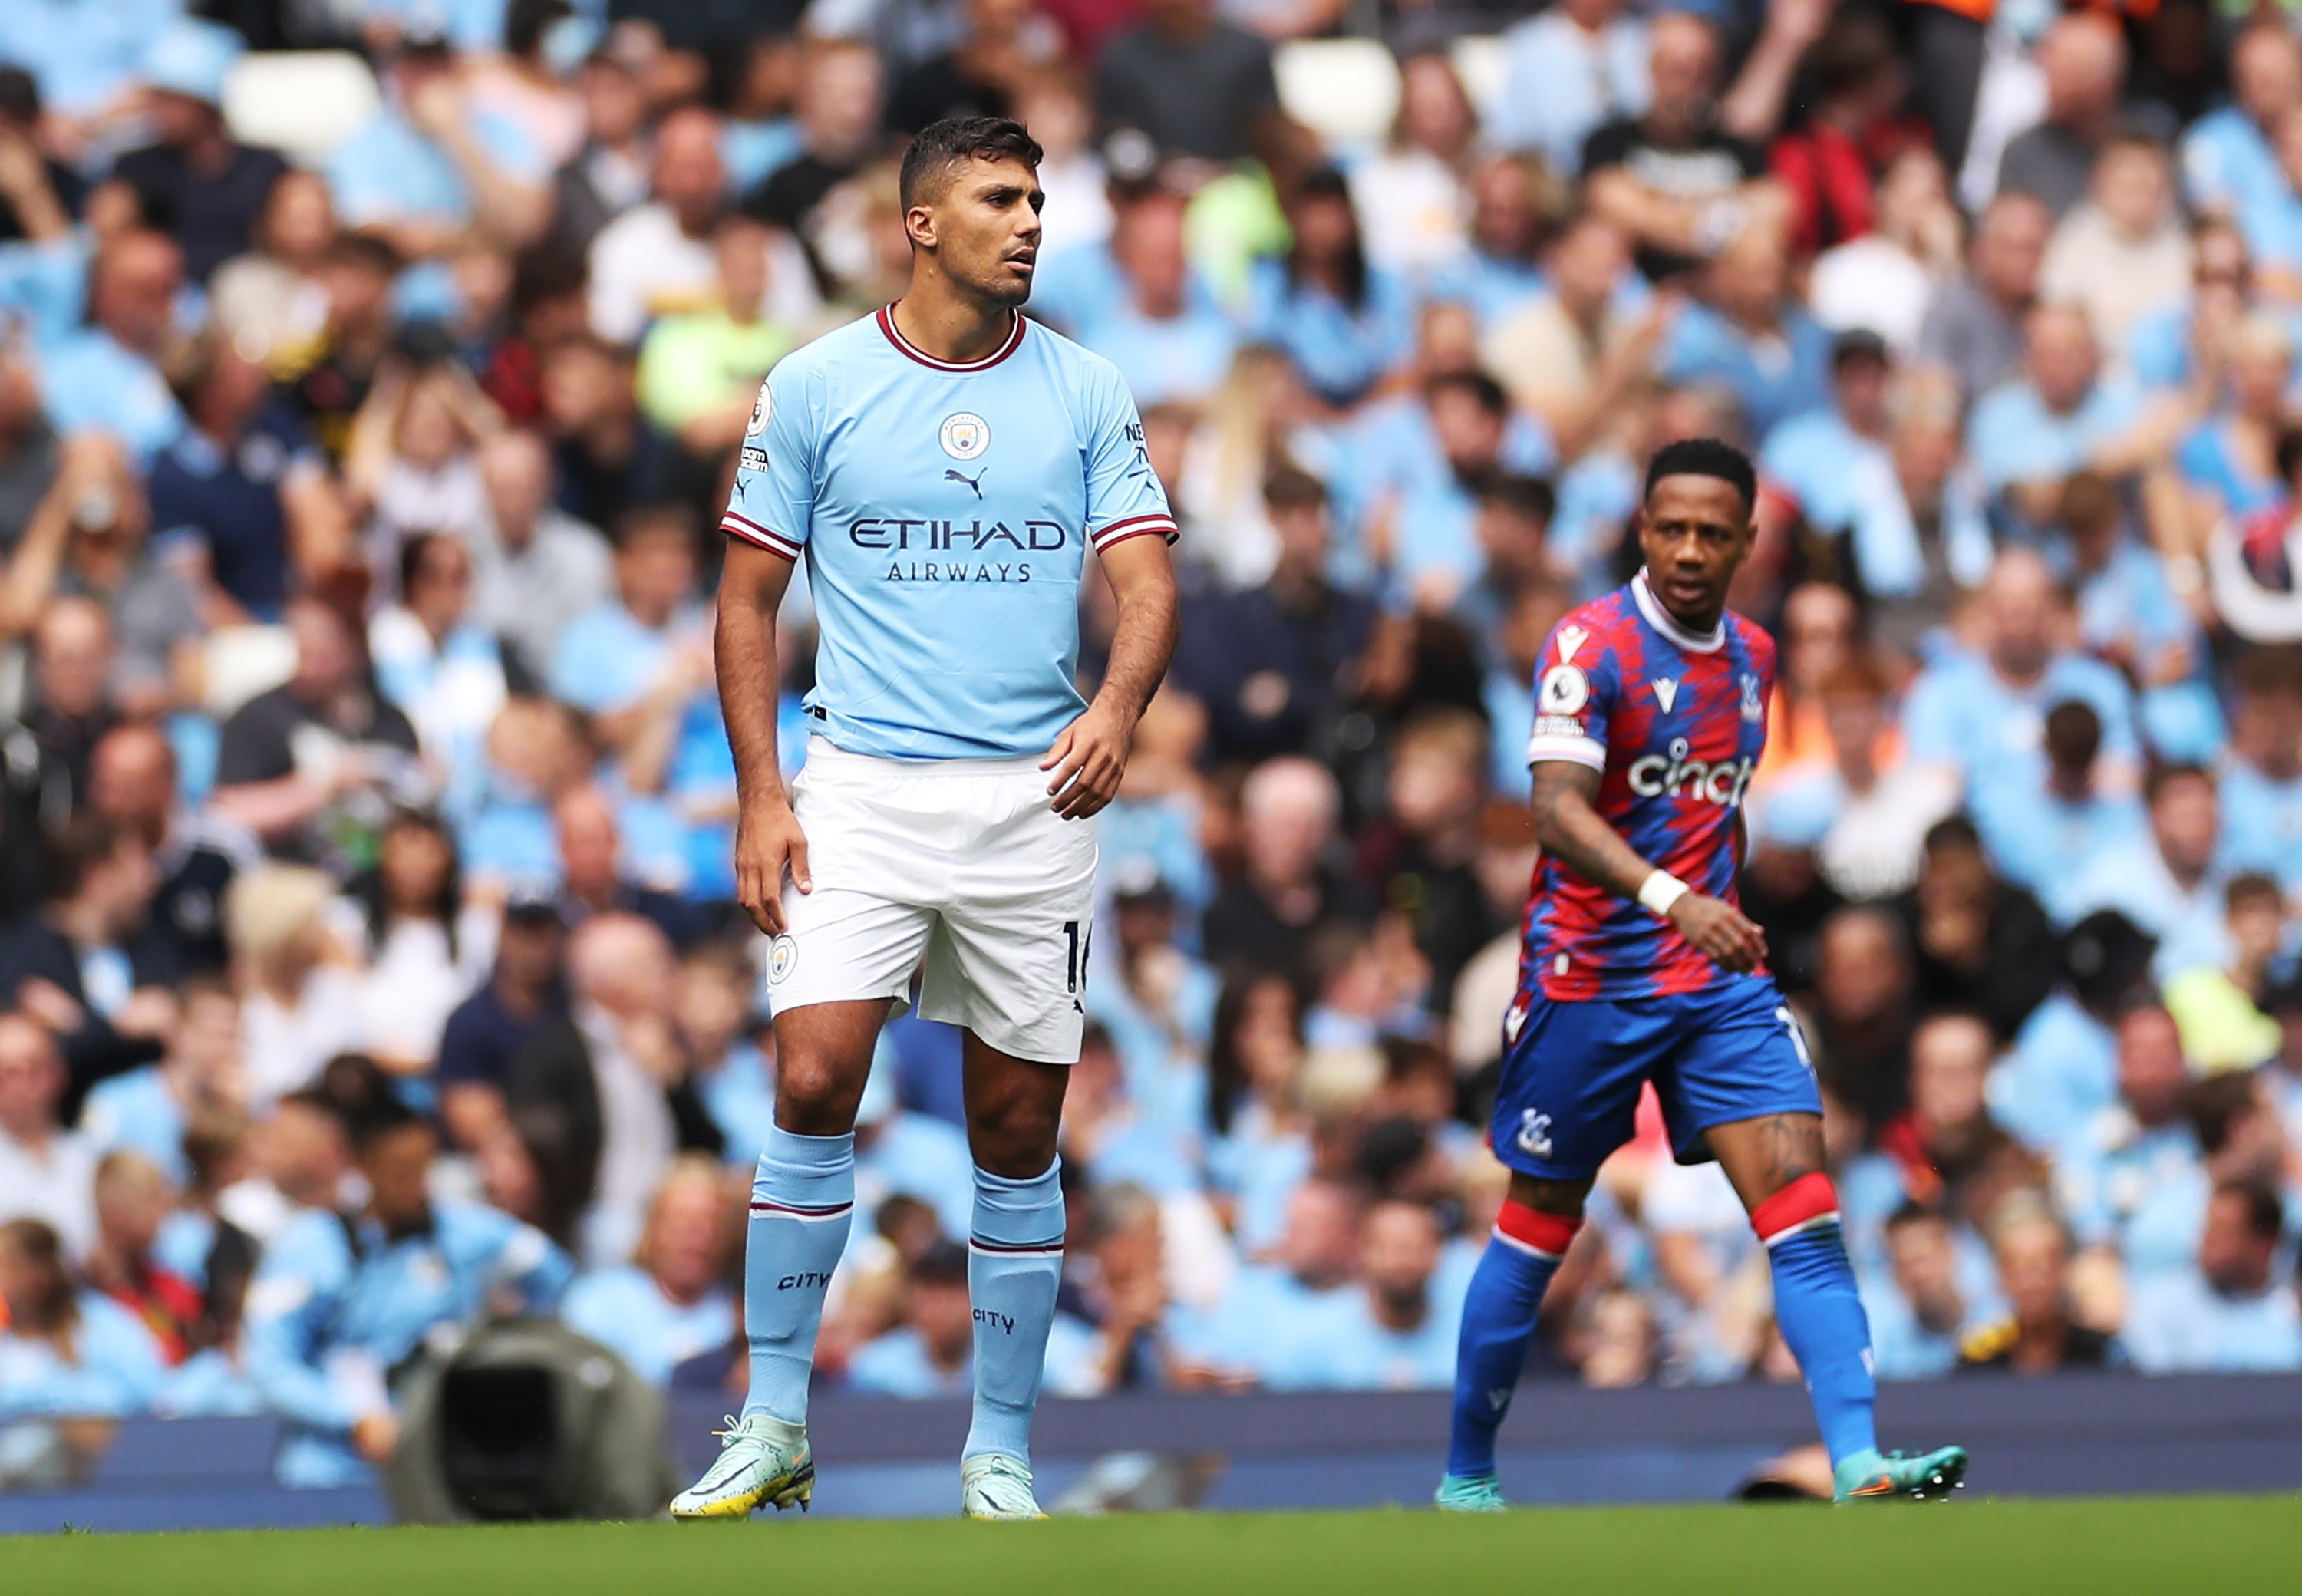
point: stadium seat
(302, 102)
(1344, 89)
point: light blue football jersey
(945, 513)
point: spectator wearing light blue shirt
(1344, 321)
(2228, 163)
(1752, 336)
(2166, 881)
(147, 1111)
(66, 1353)
(646, 653)
(2041, 836)
(2062, 1069)
(672, 1302)
(1150, 318)
(341, 1302)
(1306, 1277)
(2026, 436)
(1392, 1333)
(2262, 779)
(2228, 1314)
(2133, 1180)
(106, 377)
(1501, 273)
(900, 1152)
(1836, 459)
(1569, 70)
(86, 57)
(1919, 1316)
(1983, 710)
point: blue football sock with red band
(803, 1202)
(1014, 1268)
(1818, 1310)
(1498, 1311)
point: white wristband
(1659, 891)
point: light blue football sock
(1014, 1265)
(803, 1202)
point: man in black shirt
(196, 183)
(1272, 663)
(1678, 183)
(315, 758)
(839, 124)
(487, 1032)
(133, 786)
(1194, 83)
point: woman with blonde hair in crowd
(1260, 418)
(299, 989)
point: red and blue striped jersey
(1675, 723)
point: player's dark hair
(943, 145)
(1705, 457)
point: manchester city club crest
(1753, 709)
(965, 435)
(783, 953)
(761, 409)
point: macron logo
(1570, 638)
(1665, 692)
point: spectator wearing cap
(1751, 335)
(2040, 835)
(2121, 256)
(2228, 1314)
(2166, 881)
(672, 1301)
(2083, 59)
(424, 169)
(84, 964)
(47, 1173)
(1154, 319)
(1194, 83)
(1571, 69)
(2229, 164)
(2132, 1176)
(1973, 327)
(1839, 462)
(524, 993)
(196, 182)
(341, 1303)
(1982, 710)
(240, 492)
(106, 377)
(1273, 663)
(2261, 782)
(65, 1351)
(290, 757)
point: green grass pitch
(2151, 1547)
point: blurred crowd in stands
(365, 811)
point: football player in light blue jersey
(944, 468)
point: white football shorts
(954, 871)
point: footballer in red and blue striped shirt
(1638, 967)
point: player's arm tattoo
(1571, 831)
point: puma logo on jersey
(974, 483)
(1665, 692)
